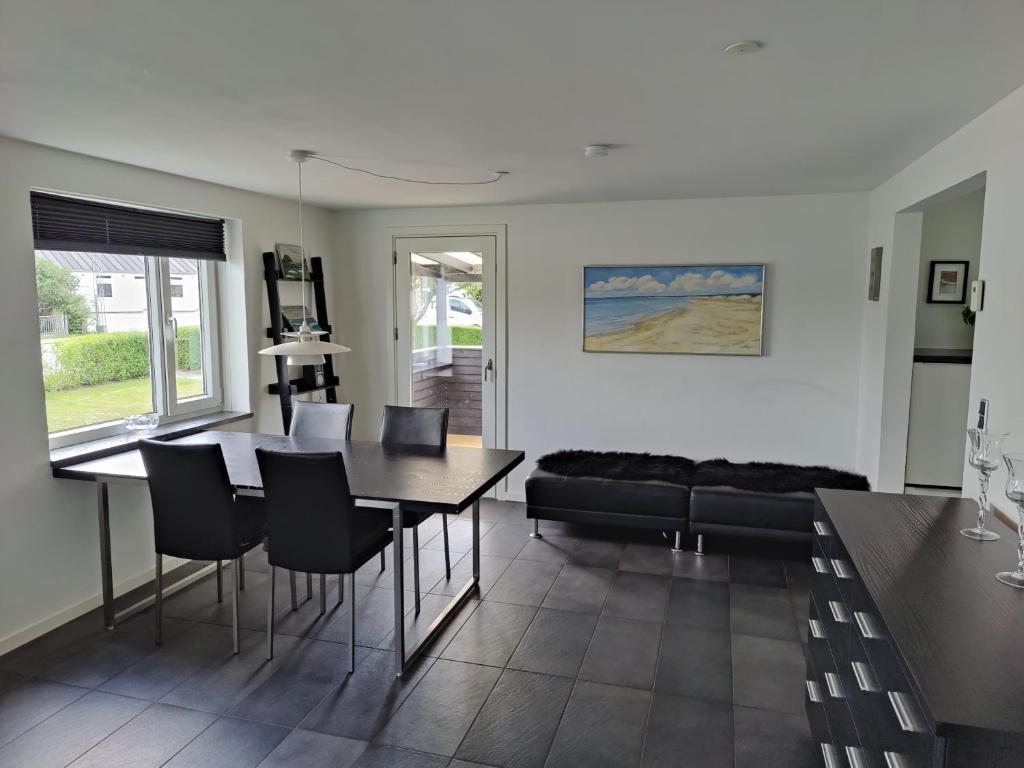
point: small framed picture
(290, 264)
(947, 282)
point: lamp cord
(498, 175)
(302, 252)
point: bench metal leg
(678, 546)
(383, 561)
(341, 588)
(220, 581)
(700, 544)
(323, 593)
(291, 584)
(270, 616)
(241, 572)
(309, 586)
(158, 598)
(536, 529)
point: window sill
(108, 446)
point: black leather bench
(656, 504)
(674, 494)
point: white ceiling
(845, 93)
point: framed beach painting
(713, 309)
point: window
(149, 346)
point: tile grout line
(575, 682)
(657, 664)
(513, 653)
(145, 709)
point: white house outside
(114, 288)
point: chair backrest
(312, 524)
(332, 420)
(414, 426)
(193, 501)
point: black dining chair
(328, 420)
(314, 525)
(331, 421)
(401, 425)
(197, 515)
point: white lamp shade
(304, 352)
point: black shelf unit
(284, 387)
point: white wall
(990, 144)
(49, 561)
(797, 403)
(950, 231)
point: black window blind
(62, 223)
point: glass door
(445, 331)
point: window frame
(162, 356)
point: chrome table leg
(106, 566)
(399, 590)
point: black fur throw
(764, 477)
(619, 466)
(771, 477)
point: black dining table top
(419, 477)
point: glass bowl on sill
(142, 422)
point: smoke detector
(743, 46)
(595, 150)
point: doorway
(446, 351)
(940, 407)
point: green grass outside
(81, 406)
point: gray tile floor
(585, 650)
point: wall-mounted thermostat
(977, 295)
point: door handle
(489, 370)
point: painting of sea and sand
(697, 310)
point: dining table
(392, 479)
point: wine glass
(986, 449)
(1015, 493)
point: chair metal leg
(536, 529)
(447, 557)
(158, 605)
(220, 581)
(678, 546)
(234, 606)
(341, 588)
(291, 583)
(309, 586)
(383, 562)
(270, 616)
(416, 565)
(700, 544)
(323, 593)
(351, 622)
(241, 572)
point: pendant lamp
(303, 346)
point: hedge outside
(98, 358)
(426, 336)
